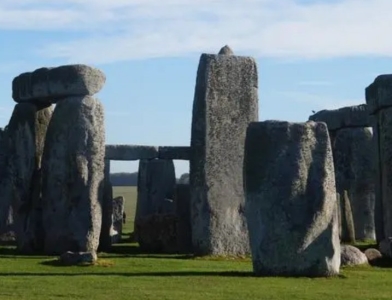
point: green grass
(128, 274)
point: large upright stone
(73, 174)
(105, 239)
(291, 204)
(183, 213)
(53, 84)
(354, 171)
(26, 133)
(379, 100)
(226, 100)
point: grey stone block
(173, 152)
(73, 176)
(226, 100)
(350, 116)
(379, 93)
(118, 212)
(105, 239)
(53, 84)
(183, 213)
(291, 204)
(130, 152)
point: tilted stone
(225, 101)
(291, 204)
(73, 176)
(130, 152)
(53, 84)
(350, 116)
(379, 93)
(173, 152)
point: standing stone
(105, 240)
(26, 135)
(155, 190)
(73, 176)
(118, 213)
(291, 202)
(379, 101)
(183, 213)
(5, 181)
(347, 229)
(354, 171)
(225, 102)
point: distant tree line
(130, 179)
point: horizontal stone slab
(174, 152)
(130, 152)
(379, 93)
(350, 116)
(54, 84)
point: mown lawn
(127, 274)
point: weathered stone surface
(350, 116)
(26, 135)
(105, 239)
(373, 256)
(183, 213)
(226, 50)
(157, 233)
(130, 152)
(347, 229)
(184, 179)
(385, 247)
(379, 93)
(118, 213)
(75, 258)
(174, 152)
(53, 84)
(5, 181)
(291, 204)
(351, 256)
(226, 100)
(7, 232)
(354, 170)
(73, 175)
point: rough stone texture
(105, 239)
(178, 153)
(73, 176)
(346, 227)
(226, 50)
(351, 256)
(350, 116)
(373, 255)
(7, 232)
(184, 179)
(157, 233)
(385, 247)
(5, 181)
(130, 152)
(226, 100)
(75, 258)
(54, 84)
(118, 211)
(379, 93)
(183, 213)
(354, 170)
(291, 204)
(26, 135)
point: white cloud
(317, 102)
(133, 29)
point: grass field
(128, 274)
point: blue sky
(311, 55)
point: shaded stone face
(105, 240)
(183, 213)
(225, 101)
(73, 175)
(53, 84)
(354, 171)
(291, 204)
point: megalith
(291, 204)
(105, 239)
(225, 102)
(155, 196)
(183, 213)
(379, 101)
(118, 217)
(352, 146)
(73, 158)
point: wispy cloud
(317, 102)
(111, 31)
